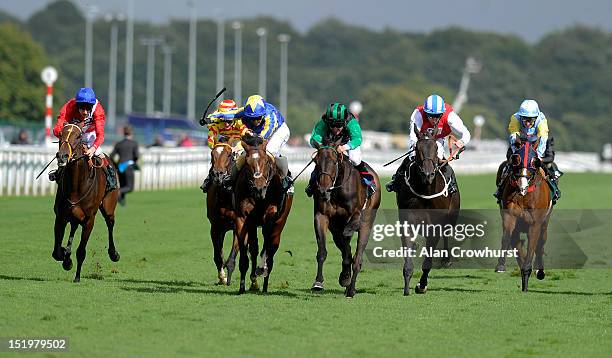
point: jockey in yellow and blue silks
(530, 124)
(263, 119)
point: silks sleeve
(543, 134)
(355, 132)
(317, 134)
(514, 128)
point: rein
(335, 178)
(444, 191)
(72, 151)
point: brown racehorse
(260, 201)
(80, 194)
(341, 205)
(525, 208)
(220, 209)
(423, 197)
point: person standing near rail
(127, 150)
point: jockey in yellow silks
(530, 124)
(224, 131)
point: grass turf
(160, 299)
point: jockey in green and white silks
(338, 121)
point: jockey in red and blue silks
(439, 118)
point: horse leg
(446, 261)
(217, 236)
(243, 264)
(321, 222)
(518, 244)
(67, 263)
(60, 227)
(230, 264)
(271, 251)
(108, 212)
(509, 225)
(85, 232)
(344, 244)
(421, 287)
(408, 264)
(254, 253)
(362, 241)
(539, 258)
(533, 236)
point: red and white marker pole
(48, 76)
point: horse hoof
(446, 263)
(229, 281)
(67, 264)
(59, 255)
(344, 280)
(317, 286)
(241, 290)
(350, 293)
(254, 287)
(114, 256)
(418, 289)
(540, 274)
(407, 291)
(500, 268)
(77, 280)
(261, 271)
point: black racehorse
(423, 197)
(341, 205)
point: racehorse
(525, 207)
(259, 201)
(81, 193)
(219, 208)
(423, 197)
(342, 206)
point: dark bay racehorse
(260, 201)
(525, 207)
(341, 205)
(423, 197)
(80, 194)
(220, 209)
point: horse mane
(330, 140)
(252, 140)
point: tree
(22, 92)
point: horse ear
(417, 131)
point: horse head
(70, 144)
(259, 163)
(327, 166)
(524, 164)
(426, 155)
(222, 160)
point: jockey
(436, 116)
(264, 120)
(339, 121)
(231, 130)
(530, 124)
(85, 107)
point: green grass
(160, 299)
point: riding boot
(55, 175)
(309, 188)
(286, 179)
(502, 179)
(206, 183)
(393, 185)
(111, 177)
(367, 178)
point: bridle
(66, 141)
(339, 159)
(437, 170)
(257, 174)
(225, 173)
